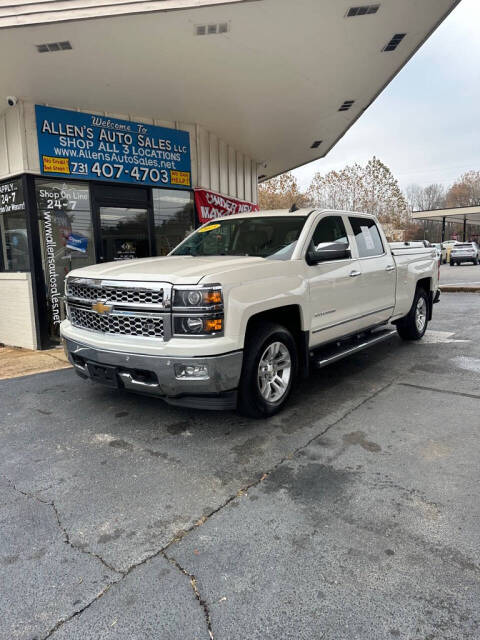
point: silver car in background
(465, 252)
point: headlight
(203, 298)
(198, 311)
(198, 325)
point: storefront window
(124, 233)
(66, 238)
(13, 228)
(174, 218)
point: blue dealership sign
(87, 146)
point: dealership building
(124, 125)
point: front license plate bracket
(103, 374)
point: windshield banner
(211, 205)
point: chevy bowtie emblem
(101, 308)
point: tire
(476, 261)
(266, 345)
(452, 264)
(414, 325)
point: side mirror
(332, 251)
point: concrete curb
(455, 288)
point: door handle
(389, 267)
(354, 274)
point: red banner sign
(211, 205)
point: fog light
(191, 372)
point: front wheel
(414, 325)
(269, 369)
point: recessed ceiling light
(212, 29)
(394, 42)
(346, 105)
(64, 45)
(364, 10)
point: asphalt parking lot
(462, 274)
(354, 514)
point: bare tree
(425, 198)
(434, 197)
(465, 192)
(281, 193)
(372, 189)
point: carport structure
(467, 216)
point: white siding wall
(215, 164)
(14, 14)
(17, 320)
(12, 142)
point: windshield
(265, 237)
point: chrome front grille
(118, 307)
(119, 323)
(125, 293)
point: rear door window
(367, 236)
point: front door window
(124, 233)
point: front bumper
(155, 375)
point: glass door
(66, 239)
(124, 233)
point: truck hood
(173, 269)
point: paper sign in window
(367, 236)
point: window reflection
(124, 233)
(13, 230)
(173, 212)
(66, 237)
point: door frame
(97, 201)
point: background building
(126, 124)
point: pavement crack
(181, 534)
(65, 535)
(75, 614)
(76, 547)
(243, 490)
(194, 585)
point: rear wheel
(414, 325)
(270, 365)
(452, 264)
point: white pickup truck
(244, 306)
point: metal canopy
(468, 216)
(279, 80)
(456, 214)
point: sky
(425, 126)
